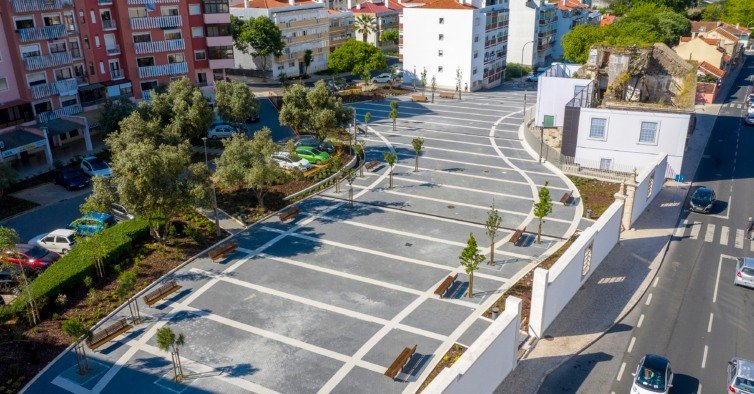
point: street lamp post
(524, 83)
(214, 195)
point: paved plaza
(326, 302)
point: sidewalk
(227, 222)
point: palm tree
(364, 24)
(167, 341)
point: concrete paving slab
(473, 332)
(391, 345)
(437, 316)
(50, 193)
(360, 379)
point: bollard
(495, 313)
(588, 213)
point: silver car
(740, 376)
(744, 272)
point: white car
(221, 131)
(58, 241)
(382, 78)
(285, 161)
(653, 375)
(94, 166)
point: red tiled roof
(567, 5)
(726, 58)
(607, 20)
(709, 69)
(686, 39)
(705, 87)
(700, 27)
(267, 4)
(726, 33)
(368, 7)
(448, 5)
(711, 41)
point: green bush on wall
(113, 244)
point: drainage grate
(451, 206)
(409, 244)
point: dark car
(254, 118)
(9, 279)
(702, 200)
(72, 178)
(31, 256)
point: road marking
(727, 209)
(641, 320)
(704, 357)
(620, 371)
(739, 239)
(717, 280)
(695, 228)
(681, 229)
(631, 345)
(709, 325)
(710, 233)
(657, 279)
(700, 388)
(724, 235)
(751, 246)
(649, 299)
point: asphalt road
(693, 314)
(46, 218)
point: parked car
(532, 78)
(749, 120)
(59, 241)
(653, 375)
(92, 223)
(31, 256)
(253, 118)
(382, 78)
(94, 166)
(120, 213)
(223, 130)
(744, 272)
(740, 376)
(8, 279)
(285, 161)
(749, 98)
(310, 140)
(702, 200)
(312, 154)
(750, 109)
(72, 178)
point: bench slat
(161, 292)
(222, 250)
(105, 335)
(445, 285)
(400, 362)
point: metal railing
(42, 33)
(40, 5)
(53, 88)
(108, 24)
(156, 22)
(159, 46)
(135, 2)
(57, 113)
(163, 69)
(116, 73)
(113, 49)
(45, 61)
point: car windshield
(745, 384)
(69, 173)
(37, 252)
(97, 164)
(651, 379)
(702, 197)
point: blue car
(92, 223)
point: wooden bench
(445, 285)
(371, 164)
(161, 292)
(419, 98)
(104, 336)
(517, 235)
(289, 213)
(566, 197)
(447, 95)
(222, 250)
(400, 362)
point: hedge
(114, 244)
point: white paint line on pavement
(699, 391)
(655, 282)
(727, 209)
(504, 169)
(710, 233)
(724, 230)
(649, 299)
(69, 386)
(704, 357)
(695, 229)
(419, 115)
(717, 280)
(751, 246)
(631, 344)
(468, 189)
(641, 320)
(456, 173)
(410, 110)
(620, 371)
(462, 152)
(709, 325)
(739, 239)
(681, 229)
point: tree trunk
(492, 252)
(416, 163)
(260, 198)
(539, 232)
(364, 36)
(391, 177)
(180, 365)
(361, 167)
(471, 284)
(433, 96)
(175, 369)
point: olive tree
(390, 159)
(235, 101)
(491, 227)
(417, 143)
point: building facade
(535, 24)
(341, 28)
(571, 13)
(452, 40)
(386, 16)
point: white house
(534, 26)
(447, 37)
(555, 88)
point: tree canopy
(113, 112)
(235, 101)
(390, 35)
(364, 24)
(315, 109)
(8, 177)
(182, 111)
(258, 37)
(356, 56)
(738, 11)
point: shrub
(515, 70)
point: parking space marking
(724, 235)
(709, 325)
(453, 141)
(739, 239)
(704, 356)
(463, 152)
(418, 114)
(631, 344)
(710, 233)
(467, 189)
(620, 371)
(455, 161)
(695, 228)
(417, 110)
(641, 320)
(487, 178)
(649, 299)
(681, 229)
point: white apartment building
(386, 15)
(449, 36)
(304, 24)
(571, 13)
(534, 24)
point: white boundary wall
(553, 289)
(654, 177)
(487, 362)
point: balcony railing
(159, 46)
(104, 2)
(42, 33)
(147, 94)
(45, 61)
(57, 113)
(163, 69)
(108, 24)
(40, 5)
(113, 49)
(135, 2)
(117, 73)
(156, 22)
(65, 86)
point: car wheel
(64, 251)
(214, 137)
(318, 162)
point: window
(43, 106)
(30, 50)
(24, 23)
(475, 70)
(173, 34)
(176, 58)
(200, 55)
(597, 129)
(51, 20)
(86, 42)
(36, 79)
(218, 30)
(439, 53)
(195, 9)
(439, 69)
(63, 73)
(442, 21)
(169, 11)
(215, 6)
(197, 32)
(142, 37)
(648, 133)
(291, 64)
(201, 78)
(440, 37)
(225, 52)
(651, 186)
(69, 102)
(476, 54)
(139, 12)
(3, 84)
(605, 164)
(145, 61)
(587, 264)
(57, 47)
(577, 89)
(476, 38)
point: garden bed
(366, 96)
(596, 195)
(10, 206)
(450, 357)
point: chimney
(245, 3)
(358, 6)
(292, 2)
(387, 4)
(350, 5)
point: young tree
(8, 177)
(459, 78)
(168, 341)
(417, 144)
(470, 259)
(356, 56)
(390, 36)
(114, 111)
(359, 148)
(307, 60)
(78, 333)
(8, 240)
(102, 196)
(394, 112)
(390, 159)
(247, 164)
(284, 81)
(542, 208)
(492, 226)
(350, 175)
(367, 118)
(364, 24)
(366, 75)
(258, 37)
(235, 101)
(393, 75)
(424, 81)
(295, 109)
(433, 86)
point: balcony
(57, 113)
(143, 2)
(113, 49)
(116, 74)
(156, 22)
(40, 5)
(66, 87)
(108, 24)
(302, 23)
(163, 69)
(44, 61)
(220, 41)
(306, 38)
(219, 64)
(42, 33)
(216, 18)
(159, 46)
(104, 2)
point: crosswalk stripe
(751, 247)
(710, 233)
(695, 228)
(739, 239)
(723, 235)
(681, 229)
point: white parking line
(486, 178)
(620, 371)
(641, 320)
(649, 299)
(739, 239)
(467, 189)
(709, 325)
(710, 233)
(456, 161)
(631, 344)
(681, 229)
(724, 235)
(695, 228)
(657, 279)
(704, 357)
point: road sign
(679, 178)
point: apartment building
(341, 28)
(305, 26)
(386, 14)
(451, 37)
(535, 24)
(571, 13)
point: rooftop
(701, 27)
(268, 4)
(607, 20)
(567, 5)
(710, 69)
(376, 7)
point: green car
(312, 155)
